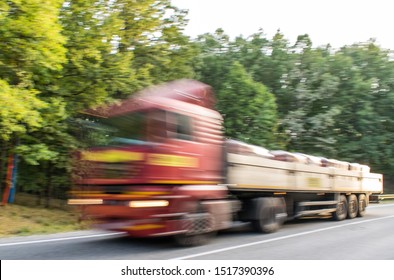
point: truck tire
(199, 229)
(362, 205)
(352, 204)
(341, 209)
(270, 214)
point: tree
(47, 152)
(310, 117)
(249, 109)
(366, 91)
(19, 111)
(31, 54)
(95, 70)
(32, 47)
(161, 51)
(214, 60)
(118, 47)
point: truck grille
(113, 170)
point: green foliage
(249, 110)
(215, 60)
(310, 116)
(31, 53)
(161, 51)
(34, 50)
(35, 153)
(333, 103)
(366, 90)
(95, 70)
(60, 57)
(115, 48)
(18, 110)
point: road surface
(367, 238)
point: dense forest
(59, 57)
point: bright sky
(338, 22)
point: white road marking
(60, 239)
(278, 238)
(379, 206)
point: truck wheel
(352, 204)
(199, 228)
(269, 216)
(266, 223)
(341, 211)
(362, 205)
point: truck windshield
(134, 128)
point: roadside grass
(17, 220)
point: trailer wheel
(352, 205)
(362, 205)
(199, 229)
(270, 215)
(341, 211)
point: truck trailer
(158, 164)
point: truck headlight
(148, 203)
(86, 201)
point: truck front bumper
(143, 228)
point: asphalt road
(367, 238)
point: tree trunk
(3, 154)
(48, 186)
(8, 181)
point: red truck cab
(161, 156)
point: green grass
(17, 220)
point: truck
(158, 164)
